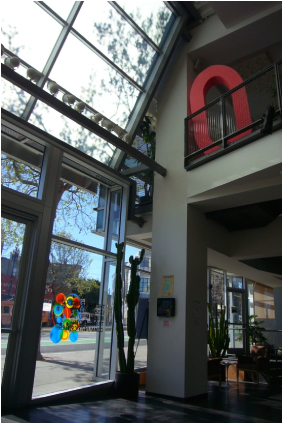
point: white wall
(182, 235)
(166, 345)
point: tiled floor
(236, 404)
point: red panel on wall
(224, 75)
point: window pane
(217, 287)
(89, 78)
(30, 33)
(13, 98)
(114, 221)
(12, 238)
(71, 133)
(234, 281)
(264, 301)
(73, 279)
(21, 162)
(107, 317)
(153, 17)
(110, 33)
(76, 218)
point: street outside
(68, 365)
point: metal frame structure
(181, 17)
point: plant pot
(144, 200)
(127, 385)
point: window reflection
(153, 17)
(30, 33)
(13, 98)
(88, 77)
(110, 33)
(21, 163)
(71, 133)
(12, 238)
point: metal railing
(235, 118)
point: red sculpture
(224, 75)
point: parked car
(85, 319)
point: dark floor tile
(237, 404)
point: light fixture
(33, 74)
(12, 62)
(106, 123)
(69, 98)
(52, 87)
(97, 118)
(127, 138)
(80, 106)
(119, 131)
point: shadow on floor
(235, 404)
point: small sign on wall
(166, 307)
(167, 286)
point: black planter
(127, 385)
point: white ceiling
(234, 12)
(244, 38)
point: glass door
(236, 313)
(105, 359)
(14, 252)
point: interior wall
(201, 235)
(166, 339)
(182, 237)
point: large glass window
(102, 55)
(68, 334)
(12, 239)
(77, 315)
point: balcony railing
(236, 118)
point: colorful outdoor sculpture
(66, 315)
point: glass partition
(12, 239)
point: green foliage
(148, 147)
(218, 337)
(255, 332)
(12, 234)
(148, 137)
(132, 298)
(118, 309)
(256, 335)
(19, 176)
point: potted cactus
(126, 380)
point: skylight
(102, 53)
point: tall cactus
(118, 309)
(132, 300)
(218, 337)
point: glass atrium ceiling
(104, 54)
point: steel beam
(80, 119)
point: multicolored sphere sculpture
(66, 312)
